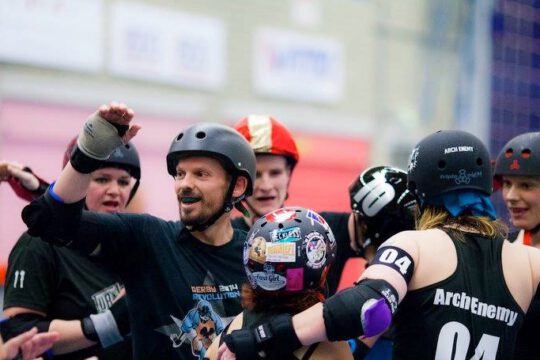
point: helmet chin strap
(227, 207)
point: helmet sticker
(316, 217)
(315, 250)
(257, 252)
(281, 252)
(268, 280)
(462, 177)
(295, 279)
(412, 159)
(281, 215)
(289, 234)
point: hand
(224, 353)
(12, 169)
(120, 114)
(30, 344)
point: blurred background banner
(358, 82)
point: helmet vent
(200, 135)
(479, 161)
(179, 136)
(298, 220)
(441, 164)
(264, 223)
(280, 225)
(526, 153)
(509, 152)
(127, 146)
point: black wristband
(273, 340)
(83, 163)
(121, 315)
(88, 329)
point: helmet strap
(227, 207)
(133, 191)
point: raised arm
(105, 130)
(22, 180)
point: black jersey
(181, 292)
(472, 311)
(63, 284)
(338, 222)
(526, 346)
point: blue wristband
(54, 195)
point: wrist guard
(274, 339)
(101, 328)
(365, 309)
(100, 137)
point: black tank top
(470, 311)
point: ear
(240, 186)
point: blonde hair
(437, 217)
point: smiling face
(271, 184)
(201, 184)
(109, 190)
(521, 195)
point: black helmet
(289, 249)
(448, 160)
(520, 156)
(218, 141)
(124, 157)
(225, 144)
(381, 198)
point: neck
(535, 237)
(220, 233)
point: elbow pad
(21, 323)
(363, 310)
(51, 220)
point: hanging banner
(65, 34)
(162, 45)
(298, 67)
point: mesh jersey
(470, 311)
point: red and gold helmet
(266, 135)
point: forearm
(309, 325)
(72, 185)
(71, 336)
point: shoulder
(27, 244)
(336, 220)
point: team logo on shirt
(104, 299)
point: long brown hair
(260, 300)
(433, 217)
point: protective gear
(222, 143)
(266, 135)
(358, 310)
(100, 137)
(448, 160)
(381, 199)
(20, 323)
(290, 249)
(108, 327)
(274, 340)
(124, 157)
(520, 156)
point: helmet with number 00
(289, 249)
(381, 198)
(448, 160)
(520, 156)
(266, 135)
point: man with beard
(168, 267)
